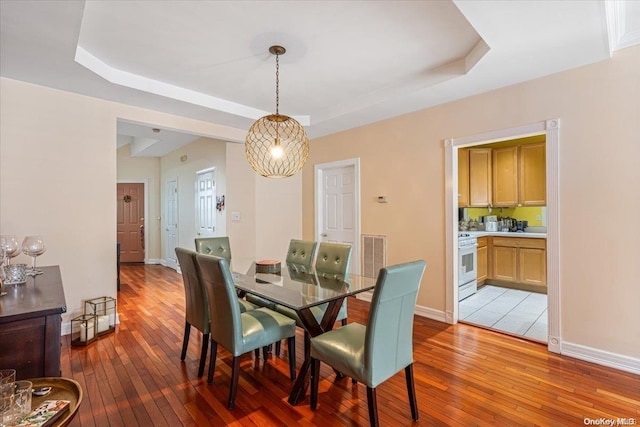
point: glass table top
(296, 286)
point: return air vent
(374, 254)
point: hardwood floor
(464, 376)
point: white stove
(467, 265)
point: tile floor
(509, 310)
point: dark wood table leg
(314, 329)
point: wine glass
(10, 246)
(34, 247)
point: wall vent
(374, 254)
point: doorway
(171, 223)
(130, 231)
(550, 128)
(337, 214)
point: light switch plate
(235, 216)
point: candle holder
(83, 329)
(104, 308)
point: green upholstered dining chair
(300, 253)
(332, 261)
(197, 304)
(239, 332)
(217, 246)
(374, 353)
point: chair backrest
(301, 252)
(226, 323)
(333, 259)
(216, 246)
(389, 337)
(196, 302)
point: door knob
(324, 235)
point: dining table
(300, 288)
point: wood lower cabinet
(483, 259)
(521, 261)
(30, 325)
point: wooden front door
(130, 230)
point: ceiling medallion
(277, 146)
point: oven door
(467, 264)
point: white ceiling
(348, 63)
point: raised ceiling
(348, 63)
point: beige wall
(147, 170)
(58, 173)
(599, 108)
(204, 153)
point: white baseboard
(430, 313)
(421, 311)
(154, 261)
(602, 357)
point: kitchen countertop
(504, 234)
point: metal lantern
(277, 146)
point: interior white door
(205, 203)
(171, 223)
(338, 208)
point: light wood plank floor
(465, 376)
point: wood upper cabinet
(519, 175)
(483, 260)
(505, 176)
(463, 177)
(479, 177)
(533, 174)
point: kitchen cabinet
(533, 174)
(480, 177)
(483, 259)
(519, 175)
(521, 261)
(463, 177)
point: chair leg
(185, 340)
(278, 348)
(203, 354)
(256, 352)
(212, 361)
(315, 381)
(291, 345)
(265, 351)
(235, 372)
(373, 407)
(411, 390)
(344, 322)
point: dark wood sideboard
(30, 325)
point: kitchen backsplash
(535, 215)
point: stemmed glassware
(11, 247)
(33, 246)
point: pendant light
(277, 145)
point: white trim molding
(550, 128)
(430, 313)
(601, 357)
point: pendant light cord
(277, 84)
